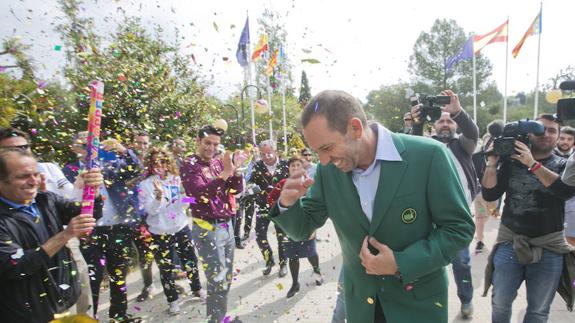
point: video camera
(430, 105)
(566, 106)
(504, 137)
(504, 144)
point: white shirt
(272, 168)
(57, 183)
(167, 215)
(366, 181)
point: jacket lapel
(391, 174)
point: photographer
(462, 147)
(530, 245)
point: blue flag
(465, 53)
(242, 52)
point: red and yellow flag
(534, 29)
(498, 34)
(261, 47)
(272, 63)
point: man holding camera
(461, 147)
(530, 245)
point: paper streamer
(94, 122)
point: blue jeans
(339, 310)
(216, 251)
(541, 280)
(461, 265)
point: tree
(431, 51)
(14, 47)
(305, 90)
(31, 105)
(387, 105)
(564, 75)
(148, 85)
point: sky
(361, 44)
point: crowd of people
(401, 204)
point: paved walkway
(262, 299)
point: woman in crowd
(161, 197)
(300, 249)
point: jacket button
(408, 287)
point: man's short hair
(6, 133)
(568, 131)
(337, 107)
(550, 117)
(5, 155)
(210, 130)
(268, 142)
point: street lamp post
(252, 109)
(238, 125)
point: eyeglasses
(18, 147)
(307, 155)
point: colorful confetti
(19, 253)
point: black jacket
(34, 286)
(266, 181)
(462, 147)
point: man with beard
(565, 149)
(462, 148)
(566, 141)
(530, 242)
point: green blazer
(419, 211)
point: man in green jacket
(396, 203)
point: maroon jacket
(212, 194)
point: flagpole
(248, 81)
(536, 105)
(252, 112)
(270, 108)
(506, 70)
(284, 114)
(474, 90)
(269, 100)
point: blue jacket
(117, 174)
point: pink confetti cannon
(93, 143)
